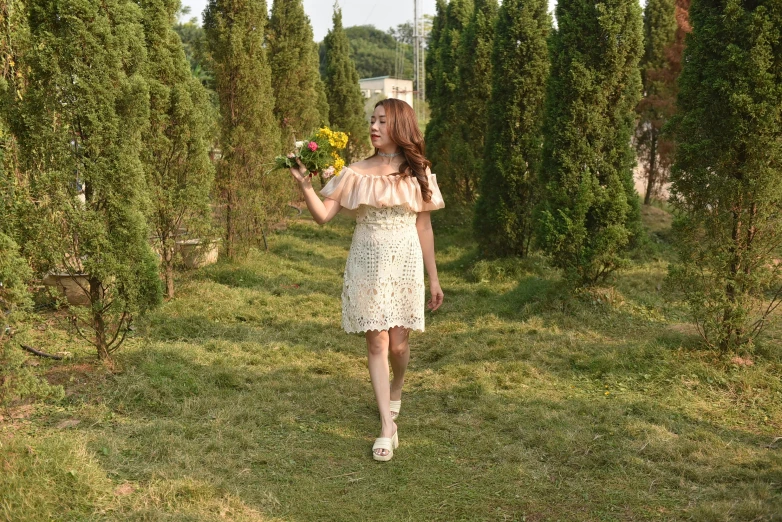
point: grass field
(243, 400)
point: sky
(380, 13)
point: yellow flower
(338, 140)
(339, 163)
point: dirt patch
(78, 378)
(684, 328)
(17, 413)
(75, 374)
(13, 418)
(124, 489)
(742, 361)
(67, 423)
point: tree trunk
(168, 262)
(651, 176)
(230, 233)
(98, 322)
(730, 287)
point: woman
(391, 194)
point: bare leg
(399, 348)
(377, 355)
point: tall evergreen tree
(346, 103)
(659, 93)
(177, 141)
(508, 188)
(83, 114)
(727, 175)
(15, 273)
(323, 102)
(433, 80)
(295, 71)
(445, 121)
(252, 195)
(475, 82)
(14, 43)
(590, 211)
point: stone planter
(72, 287)
(197, 253)
(157, 248)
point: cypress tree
(445, 121)
(590, 211)
(508, 189)
(176, 153)
(475, 82)
(346, 103)
(252, 195)
(434, 83)
(15, 273)
(88, 133)
(14, 43)
(659, 84)
(323, 102)
(727, 175)
(295, 71)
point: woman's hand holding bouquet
(318, 154)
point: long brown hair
(403, 130)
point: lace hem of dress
(413, 328)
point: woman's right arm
(322, 211)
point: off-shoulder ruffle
(352, 189)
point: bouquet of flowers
(319, 153)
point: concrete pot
(72, 287)
(197, 253)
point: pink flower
(328, 172)
(312, 146)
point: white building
(387, 87)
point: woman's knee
(399, 349)
(398, 344)
(377, 343)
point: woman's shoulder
(366, 186)
(367, 167)
(362, 164)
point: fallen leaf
(124, 489)
(22, 412)
(742, 361)
(773, 442)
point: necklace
(392, 155)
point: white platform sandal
(385, 443)
(395, 407)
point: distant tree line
(377, 53)
(124, 132)
(539, 129)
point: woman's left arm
(426, 237)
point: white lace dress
(384, 273)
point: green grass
(244, 400)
